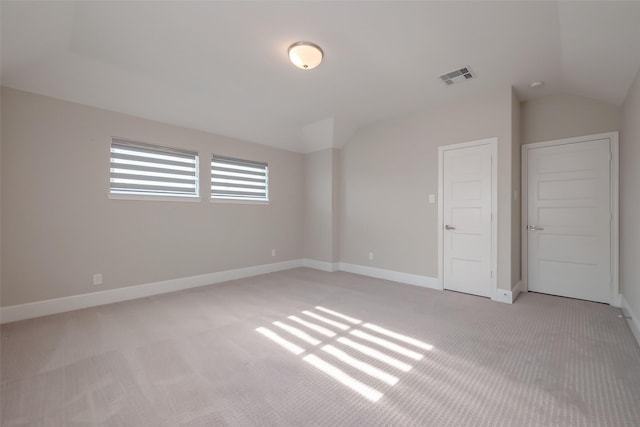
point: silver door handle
(449, 227)
(534, 228)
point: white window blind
(144, 169)
(237, 179)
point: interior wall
(0, 203)
(630, 199)
(320, 222)
(389, 169)
(59, 226)
(566, 116)
(516, 217)
(335, 203)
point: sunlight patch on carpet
(386, 353)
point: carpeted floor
(356, 352)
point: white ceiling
(222, 67)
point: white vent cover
(457, 76)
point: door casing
(493, 143)
(614, 171)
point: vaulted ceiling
(222, 67)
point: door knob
(449, 227)
(534, 228)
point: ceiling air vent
(457, 76)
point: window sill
(154, 198)
(239, 202)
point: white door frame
(614, 177)
(493, 143)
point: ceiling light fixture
(305, 55)
(537, 84)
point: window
(149, 170)
(235, 179)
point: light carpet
(346, 350)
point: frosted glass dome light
(305, 55)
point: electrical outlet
(273, 252)
(371, 256)
(97, 279)
(432, 198)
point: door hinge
(491, 275)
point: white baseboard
(517, 289)
(394, 276)
(634, 322)
(320, 265)
(502, 295)
(617, 300)
(507, 296)
(59, 305)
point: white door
(467, 219)
(569, 220)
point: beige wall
(335, 204)
(566, 116)
(630, 198)
(389, 169)
(516, 262)
(320, 214)
(59, 227)
(0, 204)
